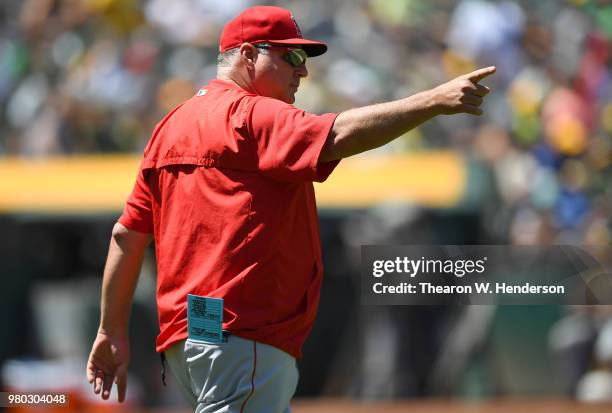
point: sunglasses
(295, 57)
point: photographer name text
(478, 288)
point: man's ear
(248, 54)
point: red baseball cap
(269, 24)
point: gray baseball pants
(239, 376)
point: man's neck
(241, 81)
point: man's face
(275, 77)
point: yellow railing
(101, 183)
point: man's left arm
(109, 357)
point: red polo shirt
(226, 187)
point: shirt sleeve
(289, 140)
(137, 214)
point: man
(225, 189)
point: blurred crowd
(91, 76)
(94, 76)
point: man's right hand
(463, 94)
(108, 362)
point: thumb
(121, 381)
(477, 75)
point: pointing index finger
(477, 75)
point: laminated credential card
(205, 319)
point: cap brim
(311, 47)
